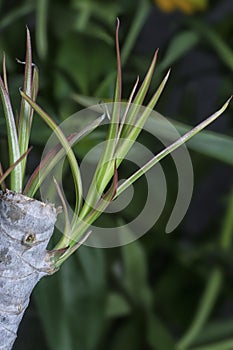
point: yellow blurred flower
(186, 6)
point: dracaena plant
(26, 224)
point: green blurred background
(144, 295)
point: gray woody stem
(26, 226)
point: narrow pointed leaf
(117, 97)
(70, 155)
(25, 118)
(104, 170)
(146, 82)
(53, 257)
(98, 208)
(35, 85)
(13, 144)
(123, 120)
(42, 170)
(54, 156)
(139, 122)
(25, 111)
(4, 72)
(70, 251)
(11, 168)
(113, 129)
(82, 225)
(65, 209)
(170, 149)
(128, 140)
(159, 91)
(139, 98)
(211, 143)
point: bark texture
(26, 226)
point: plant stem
(212, 288)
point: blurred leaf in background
(76, 315)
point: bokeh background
(145, 295)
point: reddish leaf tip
(118, 22)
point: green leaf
(25, 118)
(158, 336)
(11, 168)
(106, 12)
(170, 149)
(139, 98)
(65, 210)
(222, 345)
(138, 122)
(54, 156)
(41, 27)
(206, 142)
(94, 67)
(117, 306)
(13, 144)
(35, 85)
(204, 308)
(208, 33)
(137, 286)
(16, 13)
(139, 19)
(80, 226)
(215, 330)
(213, 284)
(70, 155)
(104, 170)
(74, 300)
(135, 272)
(181, 44)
